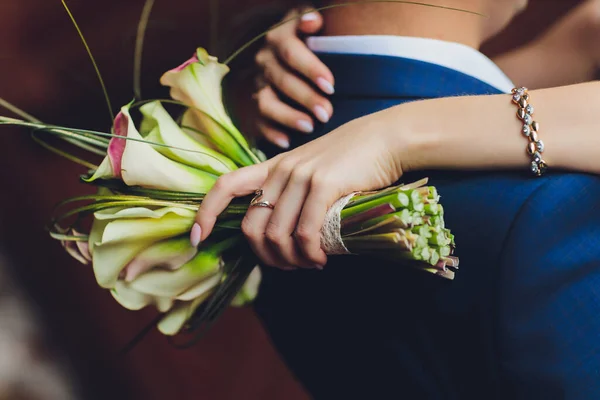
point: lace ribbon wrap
(331, 236)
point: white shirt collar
(451, 55)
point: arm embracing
(483, 132)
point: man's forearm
(543, 65)
(565, 54)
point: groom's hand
(289, 67)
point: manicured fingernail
(282, 142)
(305, 126)
(321, 114)
(196, 235)
(325, 86)
(311, 16)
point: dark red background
(45, 70)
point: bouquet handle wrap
(331, 236)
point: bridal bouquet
(160, 159)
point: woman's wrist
(402, 137)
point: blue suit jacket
(522, 318)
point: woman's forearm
(483, 132)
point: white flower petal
(175, 320)
(173, 283)
(167, 254)
(142, 212)
(130, 298)
(198, 85)
(111, 258)
(104, 171)
(202, 288)
(117, 237)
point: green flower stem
(220, 247)
(438, 238)
(375, 212)
(396, 200)
(389, 223)
(432, 209)
(445, 251)
(378, 242)
(404, 217)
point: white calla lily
(159, 127)
(198, 84)
(168, 254)
(202, 288)
(175, 320)
(138, 163)
(129, 298)
(133, 300)
(158, 282)
(117, 237)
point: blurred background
(59, 333)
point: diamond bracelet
(530, 130)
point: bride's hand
(289, 67)
(302, 184)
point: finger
(284, 219)
(273, 135)
(296, 53)
(310, 22)
(287, 28)
(254, 225)
(271, 107)
(295, 88)
(312, 217)
(298, 57)
(238, 183)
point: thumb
(310, 21)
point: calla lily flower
(138, 163)
(134, 300)
(168, 254)
(198, 84)
(119, 235)
(175, 320)
(165, 283)
(159, 127)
